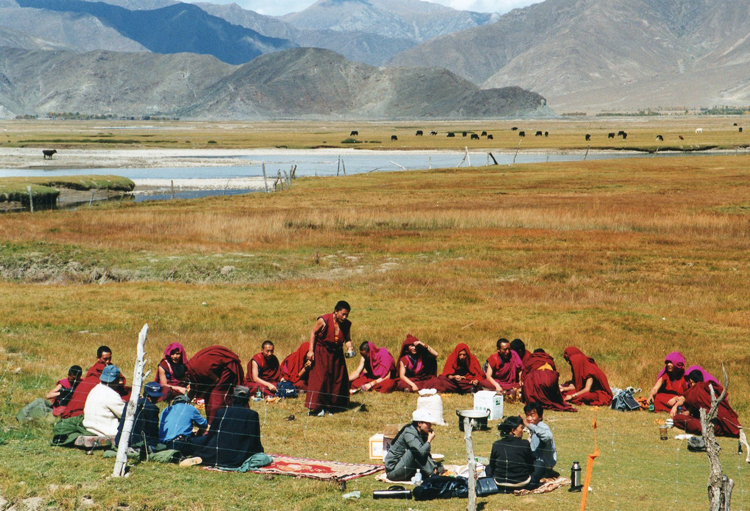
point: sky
(279, 7)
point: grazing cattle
(610, 135)
(588, 137)
(514, 128)
(681, 137)
(354, 133)
(433, 132)
(47, 153)
(660, 138)
(546, 133)
(619, 133)
(419, 133)
(624, 135)
(474, 136)
(538, 134)
(521, 133)
(735, 124)
(451, 135)
(740, 129)
(394, 137)
(699, 130)
(490, 137)
(465, 133)
(484, 134)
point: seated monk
(264, 371)
(376, 370)
(463, 373)
(170, 373)
(520, 348)
(541, 383)
(589, 385)
(503, 369)
(417, 367)
(296, 367)
(697, 396)
(670, 383)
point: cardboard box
(376, 447)
(489, 400)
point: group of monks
(318, 368)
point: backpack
(286, 389)
(442, 487)
(625, 402)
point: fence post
(127, 428)
(468, 424)
(31, 199)
(265, 179)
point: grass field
(627, 260)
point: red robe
(506, 373)
(293, 364)
(268, 370)
(584, 368)
(379, 364)
(470, 370)
(698, 396)
(541, 383)
(328, 384)
(213, 373)
(668, 390)
(78, 401)
(421, 370)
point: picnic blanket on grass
(547, 487)
(317, 469)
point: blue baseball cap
(110, 374)
(153, 389)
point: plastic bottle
(417, 479)
(651, 407)
(575, 477)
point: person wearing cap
(410, 449)
(177, 422)
(103, 408)
(91, 380)
(146, 423)
(233, 437)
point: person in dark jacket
(233, 437)
(146, 417)
(511, 459)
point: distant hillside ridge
(606, 54)
(175, 28)
(300, 83)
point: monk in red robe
(264, 371)
(328, 383)
(213, 372)
(296, 367)
(417, 367)
(670, 383)
(376, 370)
(541, 383)
(589, 385)
(503, 369)
(78, 401)
(463, 373)
(697, 396)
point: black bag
(625, 402)
(286, 389)
(393, 492)
(487, 486)
(442, 487)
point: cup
(663, 432)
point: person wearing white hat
(410, 449)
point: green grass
(14, 189)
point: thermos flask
(575, 477)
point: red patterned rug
(318, 469)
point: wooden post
(265, 178)
(468, 424)
(343, 167)
(91, 200)
(719, 485)
(338, 169)
(493, 158)
(468, 158)
(31, 199)
(517, 149)
(122, 448)
(587, 152)
(430, 162)
(172, 185)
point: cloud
(279, 7)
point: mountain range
(300, 83)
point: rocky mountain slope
(302, 83)
(173, 29)
(607, 54)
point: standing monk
(264, 371)
(296, 367)
(589, 385)
(503, 369)
(213, 372)
(376, 370)
(328, 383)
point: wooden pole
(265, 178)
(31, 199)
(91, 200)
(517, 149)
(587, 152)
(719, 485)
(468, 424)
(172, 186)
(127, 428)
(338, 169)
(343, 166)
(468, 158)
(493, 158)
